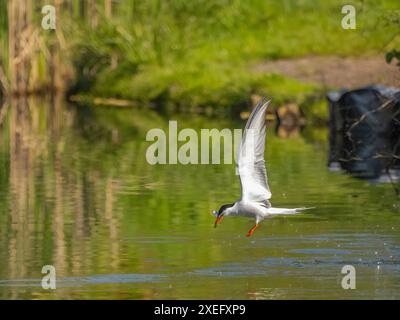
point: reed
(32, 60)
(195, 53)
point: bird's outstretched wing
(250, 160)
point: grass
(190, 55)
(188, 87)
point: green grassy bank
(196, 54)
(191, 55)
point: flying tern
(254, 201)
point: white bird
(254, 201)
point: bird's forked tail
(276, 211)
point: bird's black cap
(223, 207)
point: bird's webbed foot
(251, 231)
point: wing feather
(250, 161)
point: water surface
(76, 192)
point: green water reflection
(76, 192)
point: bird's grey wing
(250, 160)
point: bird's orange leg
(251, 231)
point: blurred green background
(77, 192)
(187, 55)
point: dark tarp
(364, 130)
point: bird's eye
(215, 213)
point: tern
(254, 201)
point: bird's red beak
(219, 219)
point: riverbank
(212, 58)
(303, 81)
(191, 57)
